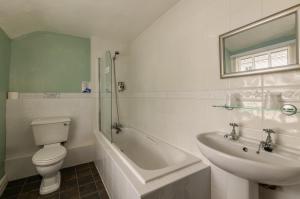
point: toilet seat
(49, 154)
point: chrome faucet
(233, 135)
(267, 145)
(118, 127)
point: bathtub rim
(144, 189)
(147, 177)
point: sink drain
(245, 149)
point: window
(279, 58)
(261, 61)
(246, 64)
(266, 59)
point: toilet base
(50, 184)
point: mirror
(268, 45)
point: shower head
(115, 55)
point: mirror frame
(293, 10)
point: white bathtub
(138, 166)
(147, 157)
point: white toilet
(50, 133)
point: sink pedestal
(239, 188)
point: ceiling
(114, 19)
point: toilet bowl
(50, 133)
(48, 162)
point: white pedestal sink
(280, 167)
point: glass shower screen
(105, 95)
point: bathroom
(142, 89)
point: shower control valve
(121, 86)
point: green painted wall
(49, 62)
(5, 43)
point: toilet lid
(49, 154)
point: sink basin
(281, 167)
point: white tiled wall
(173, 81)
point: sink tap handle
(268, 131)
(268, 145)
(233, 124)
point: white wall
(173, 81)
(20, 144)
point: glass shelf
(287, 109)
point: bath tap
(267, 145)
(233, 135)
(118, 127)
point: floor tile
(85, 172)
(11, 197)
(87, 189)
(69, 184)
(95, 195)
(67, 174)
(97, 178)
(36, 178)
(94, 171)
(100, 186)
(92, 165)
(78, 182)
(72, 193)
(54, 195)
(13, 191)
(82, 167)
(31, 187)
(68, 169)
(103, 195)
(29, 195)
(84, 180)
(15, 183)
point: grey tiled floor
(78, 182)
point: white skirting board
(20, 167)
(3, 183)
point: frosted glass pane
(246, 64)
(261, 61)
(279, 58)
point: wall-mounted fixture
(272, 102)
(86, 87)
(289, 109)
(268, 45)
(13, 95)
(233, 100)
(121, 86)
